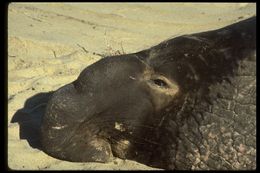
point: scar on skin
(59, 127)
(119, 126)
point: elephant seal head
(126, 106)
(113, 108)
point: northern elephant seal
(127, 105)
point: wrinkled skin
(187, 103)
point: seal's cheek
(161, 89)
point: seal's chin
(116, 136)
(121, 148)
(126, 139)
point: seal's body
(119, 106)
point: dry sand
(50, 43)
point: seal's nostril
(160, 83)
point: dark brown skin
(166, 106)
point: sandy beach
(49, 44)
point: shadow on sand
(30, 116)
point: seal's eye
(160, 83)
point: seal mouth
(111, 129)
(132, 140)
(126, 137)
